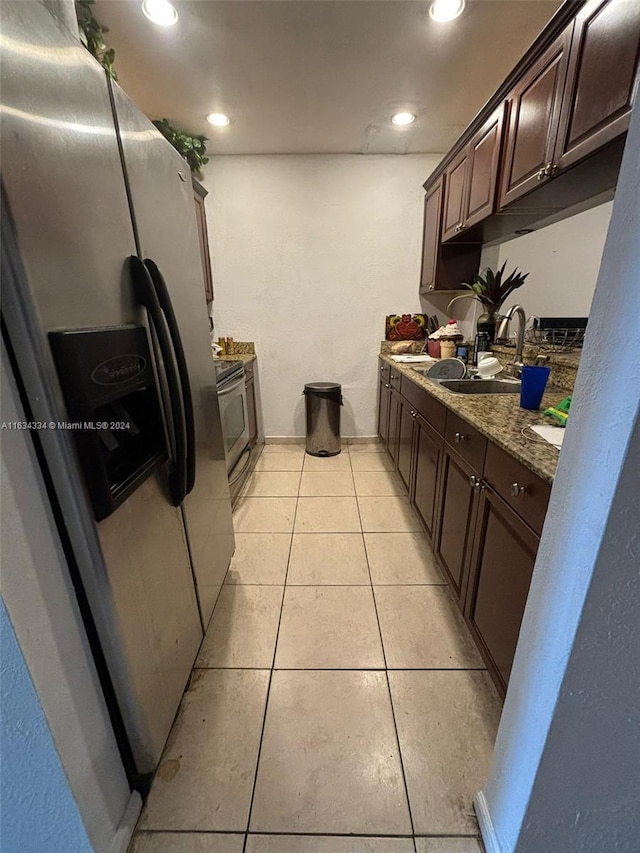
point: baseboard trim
(487, 832)
(124, 832)
(300, 439)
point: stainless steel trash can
(323, 401)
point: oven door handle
(145, 295)
(162, 292)
(227, 389)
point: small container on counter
(222, 343)
(447, 349)
(231, 347)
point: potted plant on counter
(491, 289)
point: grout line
(352, 668)
(273, 661)
(386, 675)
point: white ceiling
(320, 76)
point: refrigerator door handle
(162, 293)
(145, 293)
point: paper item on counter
(409, 359)
(553, 434)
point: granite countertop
(244, 357)
(500, 418)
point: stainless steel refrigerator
(91, 191)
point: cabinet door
(504, 554)
(199, 194)
(456, 516)
(384, 393)
(431, 237)
(534, 114)
(406, 422)
(600, 81)
(427, 466)
(484, 157)
(252, 416)
(455, 186)
(392, 435)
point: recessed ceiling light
(446, 10)
(160, 12)
(403, 118)
(218, 119)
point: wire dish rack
(557, 334)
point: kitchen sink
(481, 386)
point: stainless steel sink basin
(481, 386)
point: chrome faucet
(502, 333)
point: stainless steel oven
(233, 410)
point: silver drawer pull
(458, 437)
(517, 490)
(413, 414)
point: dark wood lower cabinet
(461, 487)
(404, 461)
(394, 414)
(384, 395)
(428, 454)
(456, 517)
(504, 554)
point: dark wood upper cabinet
(444, 266)
(502, 562)
(455, 187)
(601, 77)
(199, 195)
(483, 162)
(431, 237)
(428, 454)
(534, 107)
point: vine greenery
(92, 37)
(192, 148)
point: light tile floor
(338, 704)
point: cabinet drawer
(433, 412)
(519, 487)
(385, 370)
(395, 377)
(468, 443)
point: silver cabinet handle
(476, 484)
(413, 414)
(431, 287)
(458, 437)
(517, 490)
(542, 173)
(386, 385)
(382, 369)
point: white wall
(562, 260)
(309, 255)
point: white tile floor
(338, 703)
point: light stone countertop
(244, 357)
(500, 418)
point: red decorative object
(406, 327)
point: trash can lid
(322, 386)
